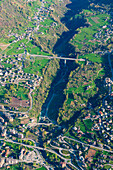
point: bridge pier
(64, 62)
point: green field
(88, 124)
(13, 91)
(35, 66)
(85, 40)
(42, 168)
(93, 57)
(17, 48)
(13, 48)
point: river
(72, 21)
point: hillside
(14, 15)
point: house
(108, 81)
(7, 152)
(21, 154)
(87, 117)
(90, 155)
(3, 134)
(101, 113)
(10, 119)
(20, 135)
(1, 120)
(12, 131)
(104, 26)
(63, 164)
(11, 161)
(2, 161)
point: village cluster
(24, 155)
(15, 74)
(105, 32)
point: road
(60, 154)
(109, 165)
(63, 139)
(31, 100)
(38, 124)
(36, 147)
(71, 150)
(68, 161)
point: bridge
(53, 57)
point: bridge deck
(61, 58)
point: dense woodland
(41, 93)
(80, 88)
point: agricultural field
(90, 38)
(9, 91)
(93, 57)
(17, 48)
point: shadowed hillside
(72, 21)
